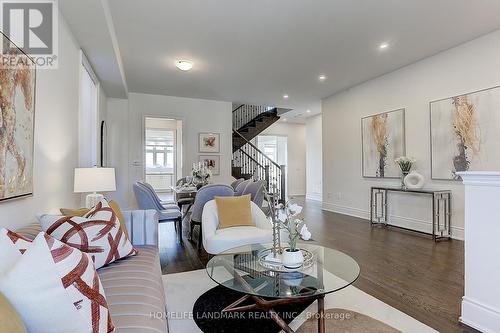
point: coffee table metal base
(268, 306)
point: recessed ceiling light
(285, 96)
(184, 65)
(284, 119)
(322, 77)
(383, 46)
(308, 111)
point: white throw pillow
(99, 233)
(53, 286)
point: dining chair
(237, 182)
(205, 194)
(241, 187)
(151, 190)
(145, 201)
(184, 199)
(256, 191)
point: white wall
(314, 158)
(56, 138)
(463, 69)
(197, 115)
(296, 168)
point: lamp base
(93, 199)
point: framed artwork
(212, 161)
(383, 140)
(209, 143)
(17, 104)
(465, 132)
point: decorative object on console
(465, 132)
(94, 180)
(383, 139)
(405, 164)
(17, 104)
(98, 233)
(288, 217)
(209, 142)
(414, 181)
(50, 275)
(212, 162)
(201, 174)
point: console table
(441, 209)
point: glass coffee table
(268, 285)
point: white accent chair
(216, 240)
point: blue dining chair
(145, 201)
(150, 189)
(256, 191)
(237, 182)
(204, 195)
(241, 187)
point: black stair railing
(254, 162)
(245, 113)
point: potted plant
(405, 163)
(288, 218)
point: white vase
(414, 181)
(293, 259)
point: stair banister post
(268, 181)
(283, 183)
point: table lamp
(94, 180)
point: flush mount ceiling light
(308, 111)
(184, 65)
(284, 119)
(322, 77)
(285, 96)
(383, 46)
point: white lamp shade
(94, 180)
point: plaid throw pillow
(98, 233)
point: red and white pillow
(98, 233)
(54, 287)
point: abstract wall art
(383, 140)
(209, 143)
(17, 104)
(212, 162)
(465, 134)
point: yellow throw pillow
(234, 211)
(74, 212)
(114, 206)
(10, 321)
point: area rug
(366, 313)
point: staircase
(248, 161)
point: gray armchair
(146, 201)
(204, 195)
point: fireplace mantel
(481, 302)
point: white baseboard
(314, 197)
(489, 318)
(402, 221)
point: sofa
(133, 286)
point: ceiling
(256, 51)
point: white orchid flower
(295, 209)
(282, 216)
(304, 233)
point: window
(88, 114)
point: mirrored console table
(441, 209)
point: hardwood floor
(408, 271)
